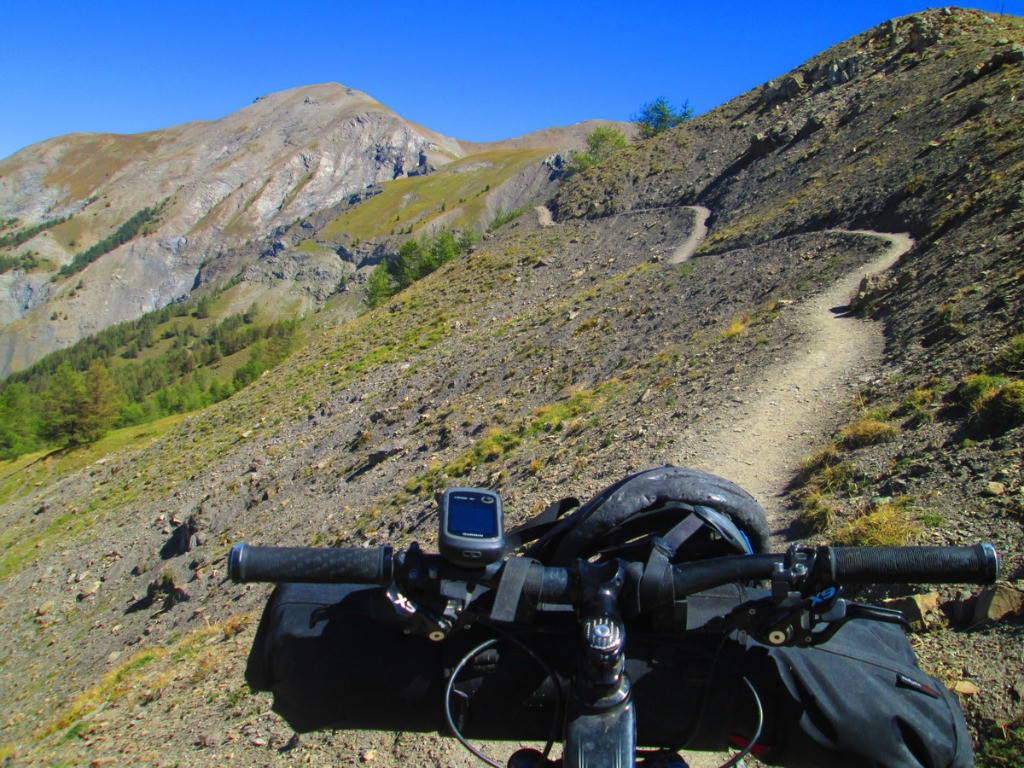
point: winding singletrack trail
(759, 440)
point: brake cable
(472, 654)
(752, 742)
(716, 659)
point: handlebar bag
(335, 656)
(858, 700)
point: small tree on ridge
(602, 142)
(658, 116)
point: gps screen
(472, 515)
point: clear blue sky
(477, 71)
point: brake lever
(806, 605)
(877, 613)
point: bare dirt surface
(700, 231)
(176, 675)
(760, 436)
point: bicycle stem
(601, 720)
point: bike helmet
(696, 514)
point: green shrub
(658, 116)
(1005, 409)
(975, 391)
(504, 217)
(602, 142)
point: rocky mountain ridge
(222, 187)
(558, 355)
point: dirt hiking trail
(700, 230)
(760, 439)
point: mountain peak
(220, 185)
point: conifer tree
(63, 403)
(17, 431)
(76, 410)
(102, 402)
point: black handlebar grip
(978, 564)
(323, 565)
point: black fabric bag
(335, 656)
(856, 701)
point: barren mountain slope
(549, 362)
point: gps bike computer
(472, 530)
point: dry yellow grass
(886, 524)
(867, 431)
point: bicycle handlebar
(599, 717)
(978, 564)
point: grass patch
(409, 203)
(814, 464)
(840, 479)
(503, 218)
(430, 482)
(1005, 409)
(975, 391)
(112, 686)
(919, 404)
(23, 541)
(491, 447)
(91, 159)
(880, 525)
(144, 674)
(993, 403)
(1005, 750)
(1011, 358)
(867, 430)
(829, 475)
(570, 416)
(310, 247)
(737, 327)
(816, 511)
